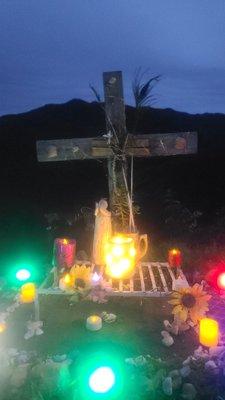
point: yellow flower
(81, 276)
(190, 303)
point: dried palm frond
(142, 88)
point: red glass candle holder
(174, 258)
(64, 252)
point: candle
(2, 327)
(94, 323)
(209, 332)
(65, 282)
(174, 258)
(28, 293)
(64, 252)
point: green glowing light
(23, 274)
(102, 380)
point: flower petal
(177, 309)
(183, 314)
(174, 301)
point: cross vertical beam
(116, 126)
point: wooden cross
(121, 145)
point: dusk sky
(50, 50)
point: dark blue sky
(50, 50)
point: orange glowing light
(2, 327)
(209, 332)
(120, 257)
(221, 281)
(28, 293)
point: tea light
(94, 323)
(174, 258)
(65, 282)
(28, 293)
(209, 332)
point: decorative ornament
(34, 328)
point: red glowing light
(221, 280)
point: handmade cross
(116, 145)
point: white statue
(102, 232)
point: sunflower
(190, 303)
(81, 276)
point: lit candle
(174, 258)
(65, 282)
(64, 253)
(2, 327)
(28, 293)
(209, 332)
(94, 323)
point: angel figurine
(102, 232)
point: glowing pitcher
(122, 255)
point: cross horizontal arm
(148, 145)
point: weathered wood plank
(166, 144)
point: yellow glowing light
(174, 251)
(109, 258)
(117, 251)
(2, 327)
(67, 279)
(209, 332)
(65, 241)
(120, 257)
(94, 318)
(133, 252)
(28, 293)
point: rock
(167, 339)
(216, 351)
(187, 361)
(136, 361)
(19, 375)
(109, 318)
(188, 391)
(167, 386)
(176, 378)
(185, 371)
(59, 358)
(212, 367)
(172, 328)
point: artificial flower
(190, 303)
(80, 276)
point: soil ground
(136, 331)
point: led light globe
(102, 380)
(23, 274)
